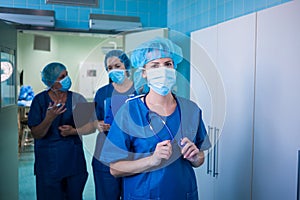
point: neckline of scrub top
(179, 110)
(177, 106)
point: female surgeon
(108, 100)
(60, 165)
(157, 139)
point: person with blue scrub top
(60, 165)
(156, 140)
(109, 99)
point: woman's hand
(66, 130)
(55, 109)
(162, 151)
(102, 127)
(191, 152)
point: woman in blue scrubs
(60, 165)
(108, 100)
(156, 140)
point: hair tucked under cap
(119, 54)
(155, 49)
(51, 72)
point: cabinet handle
(209, 154)
(216, 152)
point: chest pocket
(189, 129)
(189, 124)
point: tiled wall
(151, 12)
(191, 15)
(184, 16)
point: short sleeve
(202, 139)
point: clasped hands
(163, 151)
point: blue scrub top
(55, 155)
(131, 138)
(108, 101)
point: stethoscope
(152, 114)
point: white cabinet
(203, 76)
(236, 52)
(231, 46)
(277, 113)
(257, 57)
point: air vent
(41, 43)
(114, 22)
(94, 3)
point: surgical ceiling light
(114, 22)
(32, 17)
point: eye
(117, 66)
(62, 76)
(154, 65)
(169, 64)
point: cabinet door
(203, 76)
(231, 46)
(235, 62)
(277, 118)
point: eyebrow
(155, 62)
(111, 65)
(64, 74)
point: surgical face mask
(161, 79)
(65, 84)
(117, 75)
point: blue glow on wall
(188, 16)
(183, 16)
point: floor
(27, 179)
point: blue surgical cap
(51, 72)
(119, 54)
(155, 49)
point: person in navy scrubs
(109, 99)
(157, 139)
(60, 166)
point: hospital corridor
(202, 91)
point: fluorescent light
(28, 16)
(114, 22)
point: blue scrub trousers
(106, 185)
(70, 188)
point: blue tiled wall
(191, 15)
(184, 16)
(151, 12)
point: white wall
(265, 124)
(72, 49)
